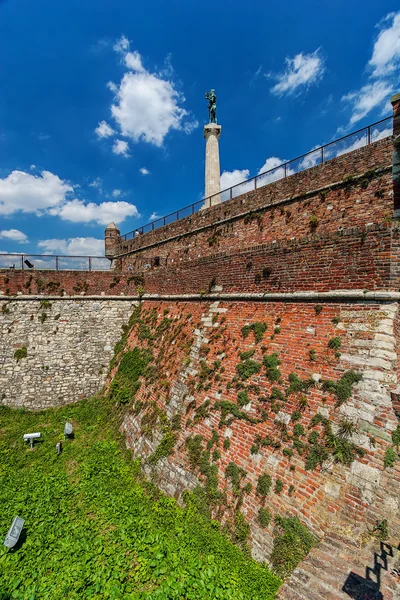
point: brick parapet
(330, 174)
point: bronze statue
(212, 106)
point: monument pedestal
(212, 132)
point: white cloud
(79, 246)
(273, 171)
(121, 147)
(231, 178)
(104, 130)
(363, 101)
(121, 45)
(105, 212)
(48, 194)
(116, 193)
(386, 52)
(97, 184)
(154, 216)
(28, 193)
(144, 171)
(133, 61)
(301, 71)
(147, 105)
(32, 167)
(385, 60)
(15, 235)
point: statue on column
(212, 106)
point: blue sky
(102, 103)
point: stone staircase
(338, 569)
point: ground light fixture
(30, 437)
(14, 532)
(68, 429)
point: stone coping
(333, 295)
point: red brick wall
(319, 497)
(340, 238)
(345, 206)
(71, 283)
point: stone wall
(69, 345)
(196, 357)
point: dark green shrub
(235, 474)
(165, 448)
(264, 517)
(242, 528)
(21, 353)
(264, 483)
(247, 368)
(312, 355)
(277, 395)
(396, 436)
(334, 343)
(278, 486)
(298, 430)
(194, 449)
(292, 543)
(342, 389)
(390, 458)
(243, 398)
(271, 363)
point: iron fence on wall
(358, 139)
(49, 262)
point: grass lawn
(95, 530)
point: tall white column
(212, 131)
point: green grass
(95, 529)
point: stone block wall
(69, 344)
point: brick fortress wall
(326, 228)
(196, 384)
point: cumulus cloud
(104, 130)
(147, 106)
(154, 216)
(231, 178)
(28, 193)
(300, 72)
(367, 98)
(144, 171)
(78, 211)
(386, 53)
(383, 66)
(121, 147)
(48, 194)
(116, 193)
(273, 171)
(14, 235)
(79, 246)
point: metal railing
(317, 156)
(50, 262)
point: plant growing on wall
(271, 364)
(292, 543)
(21, 353)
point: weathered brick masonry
(328, 229)
(299, 334)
